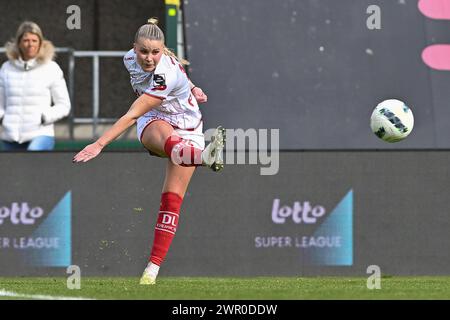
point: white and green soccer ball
(392, 120)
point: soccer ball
(392, 120)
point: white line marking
(4, 293)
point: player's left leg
(175, 186)
(160, 138)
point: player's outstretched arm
(142, 105)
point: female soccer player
(169, 124)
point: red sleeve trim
(153, 96)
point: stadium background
(310, 68)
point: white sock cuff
(153, 268)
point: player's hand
(88, 153)
(199, 95)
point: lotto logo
(300, 212)
(20, 214)
(436, 56)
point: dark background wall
(313, 69)
(400, 211)
(105, 25)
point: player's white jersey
(169, 83)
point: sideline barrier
(324, 213)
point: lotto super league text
(301, 212)
(29, 243)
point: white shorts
(195, 135)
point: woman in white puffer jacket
(33, 92)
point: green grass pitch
(198, 288)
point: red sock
(181, 152)
(166, 226)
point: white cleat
(147, 279)
(150, 274)
(212, 156)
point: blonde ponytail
(153, 20)
(170, 53)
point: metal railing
(95, 55)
